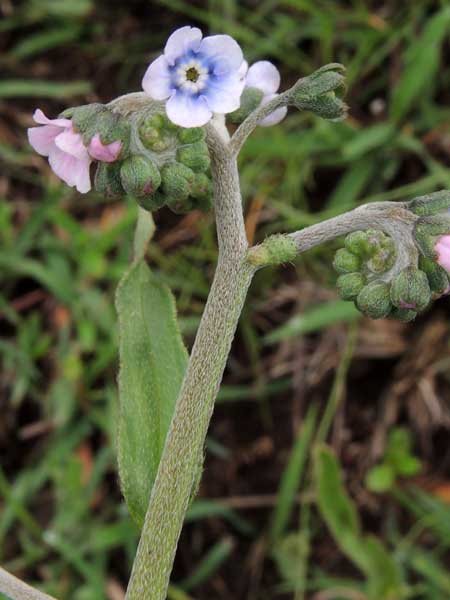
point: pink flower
(105, 153)
(442, 248)
(67, 155)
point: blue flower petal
(188, 110)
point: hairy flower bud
(350, 285)
(320, 92)
(428, 231)
(107, 180)
(410, 290)
(140, 176)
(177, 180)
(251, 98)
(374, 300)
(438, 278)
(195, 156)
(346, 262)
(405, 315)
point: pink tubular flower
(442, 248)
(104, 153)
(67, 155)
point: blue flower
(197, 77)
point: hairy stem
(184, 445)
(16, 589)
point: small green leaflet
(153, 361)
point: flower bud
(438, 278)
(152, 202)
(410, 290)
(191, 135)
(346, 262)
(202, 192)
(350, 285)
(374, 300)
(158, 134)
(107, 180)
(250, 100)
(405, 315)
(195, 156)
(427, 230)
(177, 183)
(357, 243)
(430, 204)
(318, 93)
(140, 176)
(383, 259)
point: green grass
(63, 524)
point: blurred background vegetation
(279, 514)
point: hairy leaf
(152, 365)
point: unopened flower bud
(195, 156)
(250, 99)
(410, 290)
(405, 315)
(177, 181)
(356, 242)
(350, 285)
(107, 180)
(383, 259)
(346, 262)
(158, 134)
(191, 135)
(140, 176)
(428, 231)
(319, 93)
(430, 204)
(374, 300)
(202, 192)
(438, 277)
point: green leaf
(337, 509)
(340, 513)
(292, 475)
(152, 365)
(22, 88)
(422, 64)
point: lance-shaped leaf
(383, 577)
(152, 365)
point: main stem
(182, 454)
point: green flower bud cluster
(167, 166)
(321, 93)
(364, 265)
(92, 119)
